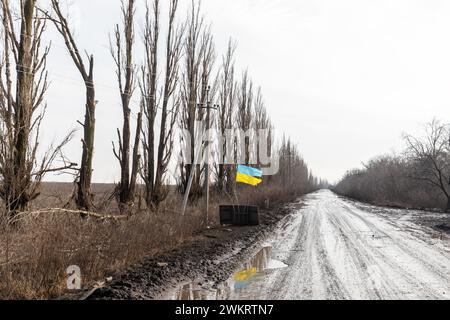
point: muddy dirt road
(339, 249)
(334, 248)
(321, 247)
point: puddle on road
(253, 270)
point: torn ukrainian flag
(248, 175)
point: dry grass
(34, 254)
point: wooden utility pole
(197, 154)
(207, 167)
(207, 157)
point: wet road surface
(337, 250)
(334, 248)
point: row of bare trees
(418, 177)
(294, 174)
(185, 88)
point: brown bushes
(419, 177)
(34, 255)
(386, 180)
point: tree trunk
(161, 166)
(136, 158)
(124, 195)
(85, 197)
(150, 161)
(23, 112)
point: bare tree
(262, 122)
(245, 112)
(430, 157)
(149, 86)
(199, 55)
(84, 198)
(122, 52)
(157, 97)
(227, 100)
(21, 116)
(168, 117)
(207, 95)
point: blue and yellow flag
(248, 175)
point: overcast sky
(343, 78)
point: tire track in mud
(400, 244)
(359, 261)
(310, 266)
(369, 256)
(393, 273)
(298, 270)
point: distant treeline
(416, 178)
